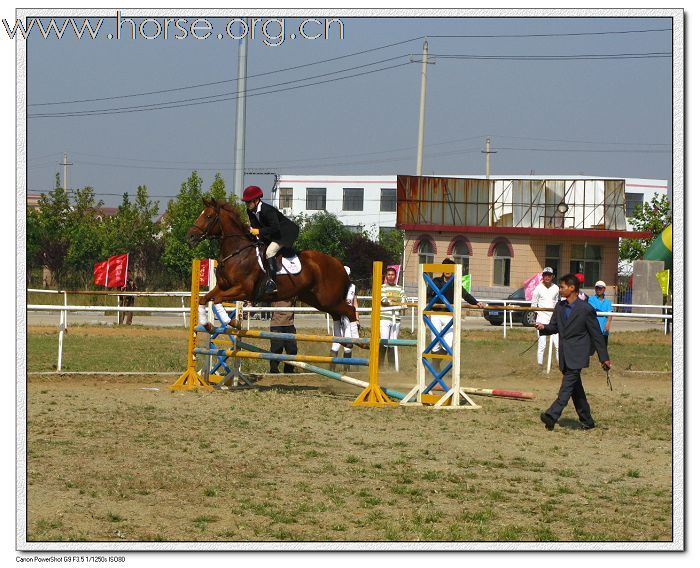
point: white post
(505, 318)
(328, 324)
(395, 348)
(118, 312)
(61, 328)
(413, 315)
(65, 314)
(549, 355)
(184, 314)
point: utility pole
(492, 192)
(421, 111)
(65, 165)
(239, 148)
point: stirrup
(270, 286)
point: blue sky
(608, 117)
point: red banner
(117, 267)
(204, 272)
(99, 273)
(111, 273)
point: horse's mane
(234, 213)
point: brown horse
(322, 282)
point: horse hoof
(209, 327)
(236, 324)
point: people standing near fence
(439, 322)
(575, 322)
(346, 327)
(282, 322)
(602, 304)
(390, 320)
(545, 295)
(127, 301)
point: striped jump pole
(279, 357)
(329, 374)
(260, 334)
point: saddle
(287, 261)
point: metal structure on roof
(527, 203)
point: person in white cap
(545, 295)
(345, 327)
(602, 304)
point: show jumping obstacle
(226, 346)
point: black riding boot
(271, 271)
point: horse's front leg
(217, 296)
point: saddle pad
(291, 265)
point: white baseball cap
(600, 284)
(548, 270)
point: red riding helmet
(252, 192)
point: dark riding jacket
(274, 226)
(449, 294)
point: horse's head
(207, 225)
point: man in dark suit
(575, 322)
(272, 227)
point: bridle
(205, 234)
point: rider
(273, 228)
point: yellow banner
(664, 278)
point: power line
(319, 62)
(212, 83)
(573, 57)
(161, 106)
(562, 34)
(586, 150)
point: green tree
(360, 255)
(324, 232)
(84, 231)
(180, 215)
(654, 217)
(393, 241)
(50, 230)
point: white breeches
(439, 322)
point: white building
(370, 201)
(367, 202)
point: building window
(286, 196)
(552, 256)
(586, 260)
(501, 265)
(387, 201)
(632, 200)
(460, 252)
(425, 252)
(353, 198)
(316, 198)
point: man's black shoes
(549, 422)
(587, 426)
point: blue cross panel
(221, 359)
(439, 297)
(438, 375)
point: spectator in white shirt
(545, 295)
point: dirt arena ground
(122, 458)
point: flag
(664, 278)
(204, 272)
(530, 284)
(467, 282)
(117, 267)
(99, 273)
